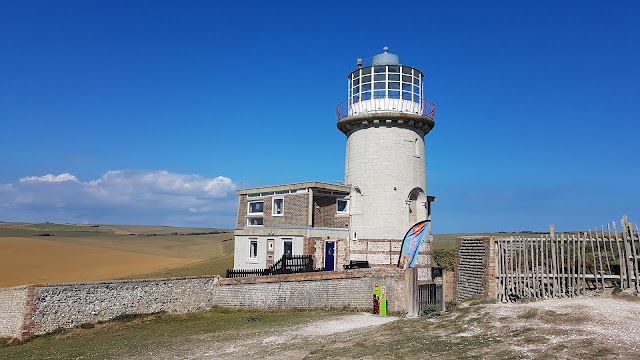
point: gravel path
(261, 345)
(612, 321)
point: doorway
(329, 255)
(288, 248)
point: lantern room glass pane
(394, 77)
(379, 85)
(366, 87)
(366, 95)
(406, 87)
(394, 94)
(394, 85)
(406, 95)
(379, 69)
(379, 77)
(366, 78)
(406, 70)
(406, 78)
(366, 70)
(356, 81)
(379, 94)
(356, 99)
(394, 69)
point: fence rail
(567, 265)
(286, 265)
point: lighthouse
(385, 118)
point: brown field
(50, 253)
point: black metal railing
(348, 108)
(288, 264)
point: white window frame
(254, 217)
(253, 250)
(255, 213)
(273, 206)
(346, 209)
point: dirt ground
(583, 328)
(31, 260)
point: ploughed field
(49, 253)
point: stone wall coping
(14, 288)
(115, 282)
(482, 237)
(313, 276)
(307, 184)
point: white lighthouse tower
(385, 120)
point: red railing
(348, 108)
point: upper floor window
(277, 206)
(256, 207)
(342, 206)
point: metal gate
(430, 294)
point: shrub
(445, 258)
(430, 311)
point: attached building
(310, 218)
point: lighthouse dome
(386, 58)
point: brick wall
(340, 289)
(325, 212)
(474, 270)
(385, 252)
(295, 211)
(241, 220)
(29, 311)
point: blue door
(329, 255)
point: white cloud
(50, 178)
(122, 196)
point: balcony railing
(349, 108)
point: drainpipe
(310, 220)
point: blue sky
(153, 112)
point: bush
(431, 311)
(450, 305)
(445, 258)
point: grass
(448, 241)
(217, 266)
(150, 336)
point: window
(256, 207)
(255, 221)
(277, 206)
(253, 249)
(342, 206)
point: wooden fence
(567, 265)
(286, 265)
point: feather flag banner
(411, 244)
